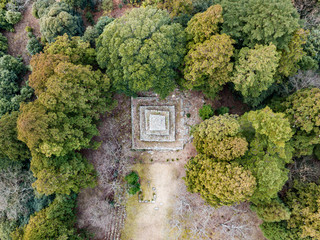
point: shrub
(3, 45)
(317, 151)
(29, 29)
(206, 112)
(133, 183)
(89, 17)
(222, 110)
(13, 17)
(34, 46)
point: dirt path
(150, 220)
(18, 39)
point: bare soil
(18, 39)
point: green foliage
(133, 183)
(59, 19)
(13, 17)
(77, 3)
(177, 7)
(269, 150)
(220, 138)
(70, 99)
(203, 25)
(28, 29)
(303, 201)
(107, 5)
(146, 58)
(10, 146)
(4, 24)
(62, 175)
(317, 151)
(6, 227)
(275, 211)
(288, 64)
(222, 110)
(78, 51)
(92, 33)
(206, 112)
(89, 17)
(34, 46)
(3, 45)
(207, 64)
(312, 46)
(11, 95)
(255, 70)
(279, 231)
(40, 7)
(219, 183)
(252, 22)
(303, 110)
(54, 222)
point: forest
(87, 57)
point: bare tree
(305, 79)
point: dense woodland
(267, 52)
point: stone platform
(157, 124)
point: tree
(274, 211)
(206, 112)
(92, 33)
(302, 109)
(288, 64)
(11, 94)
(34, 46)
(219, 183)
(207, 64)
(252, 22)
(78, 51)
(312, 46)
(62, 118)
(40, 7)
(3, 45)
(59, 19)
(143, 59)
(303, 201)
(220, 138)
(278, 231)
(10, 146)
(62, 175)
(203, 25)
(77, 3)
(255, 70)
(268, 134)
(54, 222)
(13, 17)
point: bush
(28, 29)
(13, 17)
(133, 182)
(3, 45)
(89, 18)
(34, 46)
(206, 112)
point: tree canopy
(255, 70)
(220, 138)
(252, 22)
(219, 183)
(143, 59)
